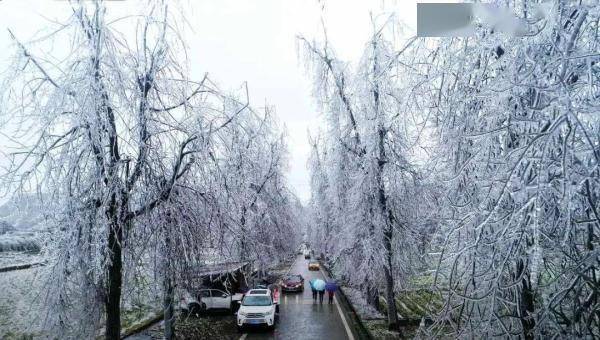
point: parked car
(292, 283)
(314, 265)
(257, 308)
(272, 282)
(209, 299)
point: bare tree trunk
(169, 316)
(385, 212)
(373, 295)
(243, 245)
(526, 304)
(390, 296)
(388, 234)
(115, 278)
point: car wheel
(240, 329)
(194, 308)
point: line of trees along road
(138, 166)
(472, 162)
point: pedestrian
(320, 288)
(312, 288)
(331, 287)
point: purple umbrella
(331, 286)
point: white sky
(241, 40)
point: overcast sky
(247, 40)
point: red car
(292, 283)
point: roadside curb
(358, 326)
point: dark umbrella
(331, 286)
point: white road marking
(337, 303)
(348, 331)
(244, 336)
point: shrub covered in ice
(19, 241)
(6, 227)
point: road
(301, 318)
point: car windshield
(255, 300)
(294, 278)
(314, 262)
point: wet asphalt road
(302, 318)
(299, 317)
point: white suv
(208, 299)
(257, 308)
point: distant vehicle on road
(302, 249)
(314, 265)
(257, 308)
(292, 283)
(208, 299)
(307, 254)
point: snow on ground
(15, 258)
(20, 302)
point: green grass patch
(418, 303)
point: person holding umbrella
(320, 288)
(312, 288)
(331, 287)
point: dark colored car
(292, 283)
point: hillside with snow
(21, 220)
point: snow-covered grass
(16, 258)
(21, 302)
(364, 310)
(23, 292)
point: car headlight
(269, 312)
(242, 313)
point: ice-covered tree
(517, 156)
(107, 129)
(363, 183)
